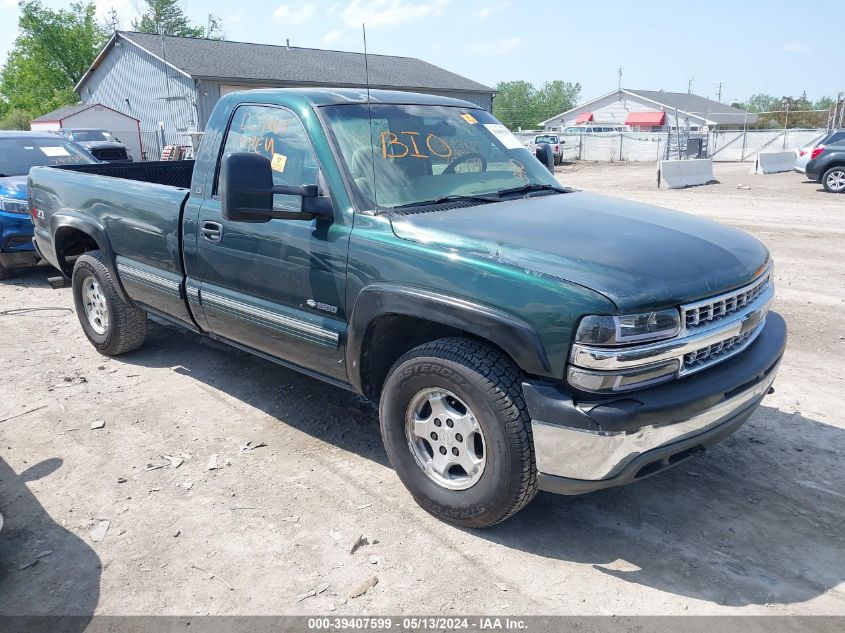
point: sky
(768, 46)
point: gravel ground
(755, 526)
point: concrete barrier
(677, 174)
(773, 162)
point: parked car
(100, 143)
(19, 151)
(827, 166)
(553, 140)
(802, 156)
(517, 334)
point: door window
(278, 135)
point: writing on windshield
(392, 147)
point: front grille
(722, 350)
(709, 310)
(110, 154)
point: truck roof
(336, 96)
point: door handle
(211, 231)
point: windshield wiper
(445, 199)
(527, 189)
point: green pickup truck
(517, 335)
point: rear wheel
(112, 325)
(457, 431)
(834, 180)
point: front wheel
(112, 325)
(834, 180)
(457, 431)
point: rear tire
(112, 325)
(834, 180)
(457, 431)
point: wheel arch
(74, 235)
(389, 320)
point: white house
(652, 111)
(123, 127)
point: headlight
(12, 205)
(628, 328)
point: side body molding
(513, 335)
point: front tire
(113, 326)
(457, 431)
(834, 180)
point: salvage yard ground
(755, 526)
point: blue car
(19, 151)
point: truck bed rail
(170, 173)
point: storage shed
(124, 128)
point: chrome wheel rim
(836, 180)
(96, 309)
(445, 438)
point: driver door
(279, 286)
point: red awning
(584, 117)
(645, 118)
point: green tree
(15, 120)
(53, 50)
(556, 97)
(168, 18)
(515, 104)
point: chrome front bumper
(587, 445)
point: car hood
(13, 187)
(634, 254)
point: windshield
(19, 154)
(91, 135)
(422, 153)
(547, 138)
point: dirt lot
(755, 526)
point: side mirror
(246, 192)
(545, 155)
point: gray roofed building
(627, 107)
(172, 83)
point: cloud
(8, 4)
(235, 18)
(382, 13)
(287, 15)
(795, 46)
(501, 46)
(486, 12)
(332, 36)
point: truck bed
(168, 173)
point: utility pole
(719, 93)
(619, 86)
(113, 21)
(690, 84)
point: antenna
(370, 115)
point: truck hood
(13, 187)
(634, 254)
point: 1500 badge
(325, 307)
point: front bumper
(590, 444)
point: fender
(516, 337)
(88, 225)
